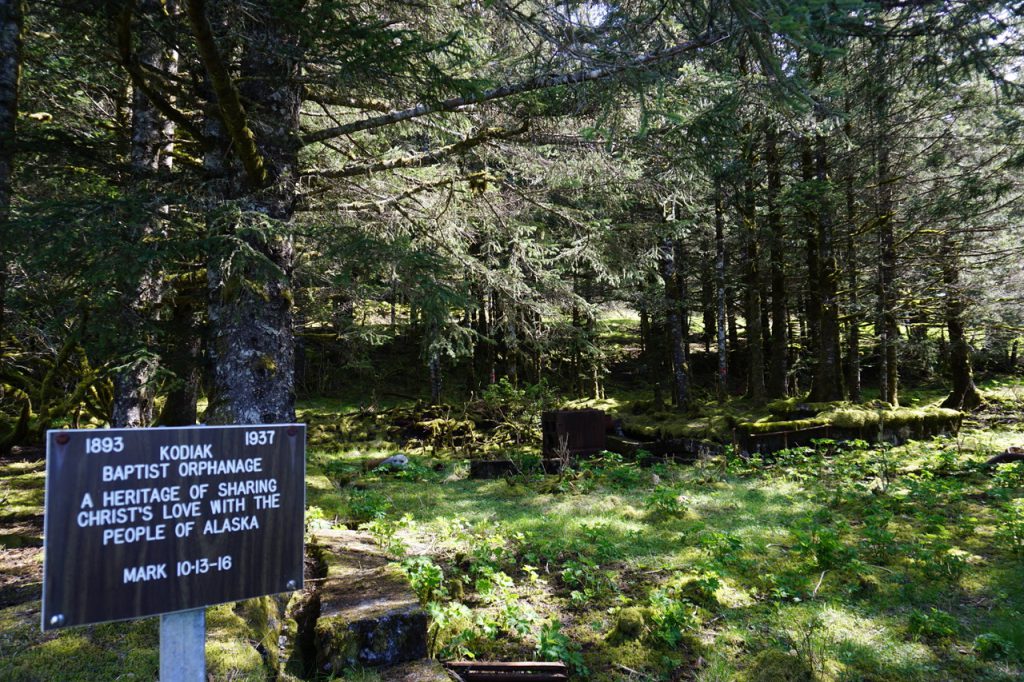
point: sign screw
(291, 431)
(292, 585)
(56, 620)
(62, 438)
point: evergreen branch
(419, 160)
(380, 204)
(138, 78)
(531, 85)
(333, 99)
(229, 101)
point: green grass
(842, 564)
(823, 558)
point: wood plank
(506, 676)
(510, 665)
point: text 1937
(259, 437)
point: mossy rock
(698, 592)
(417, 671)
(845, 421)
(369, 614)
(229, 655)
(633, 654)
(630, 625)
(774, 665)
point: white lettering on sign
(232, 524)
(95, 446)
(252, 465)
(89, 518)
(259, 437)
(180, 510)
(119, 497)
(231, 505)
(201, 451)
(127, 511)
(126, 472)
(259, 486)
(268, 501)
(136, 574)
(132, 534)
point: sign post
(141, 522)
(183, 646)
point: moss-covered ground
(830, 562)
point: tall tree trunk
(720, 323)
(886, 324)
(673, 304)
(752, 298)
(778, 365)
(11, 25)
(853, 332)
(812, 296)
(152, 140)
(251, 338)
(182, 357)
(684, 294)
(707, 301)
(435, 378)
(828, 379)
(482, 343)
(965, 395)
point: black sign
(148, 521)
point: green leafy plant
(672, 617)
(991, 647)
(426, 578)
(665, 501)
(1010, 526)
(516, 409)
(554, 645)
(452, 630)
(367, 505)
(385, 533)
(934, 625)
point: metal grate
(508, 671)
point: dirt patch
(21, 575)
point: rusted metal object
(574, 432)
(505, 671)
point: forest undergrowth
(835, 561)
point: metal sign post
(183, 646)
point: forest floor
(830, 562)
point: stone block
(369, 614)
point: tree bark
(182, 356)
(776, 387)
(752, 298)
(707, 301)
(152, 140)
(684, 293)
(812, 296)
(251, 338)
(673, 304)
(886, 324)
(828, 379)
(723, 360)
(435, 379)
(11, 26)
(965, 395)
(853, 329)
